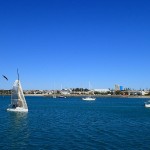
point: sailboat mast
(18, 83)
(89, 85)
(18, 74)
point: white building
(102, 90)
(144, 92)
(117, 87)
(65, 91)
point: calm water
(73, 124)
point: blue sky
(72, 42)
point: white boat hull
(61, 97)
(88, 99)
(17, 109)
(147, 105)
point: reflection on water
(18, 121)
(18, 117)
(17, 130)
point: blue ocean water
(73, 124)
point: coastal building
(144, 92)
(65, 91)
(121, 88)
(117, 87)
(102, 90)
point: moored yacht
(147, 104)
(89, 98)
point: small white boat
(61, 96)
(147, 104)
(54, 96)
(18, 102)
(89, 98)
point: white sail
(18, 102)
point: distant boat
(18, 102)
(54, 93)
(54, 96)
(61, 96)
(89, 98)
(147, 104)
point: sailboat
(54, 93)
(18, 102)
(54, 96)
(89, 98)
(147, 104)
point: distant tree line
(80, 90)
(103, 93)
(5, 92)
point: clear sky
(72, 42)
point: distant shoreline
(105, 96)
(101, 96)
